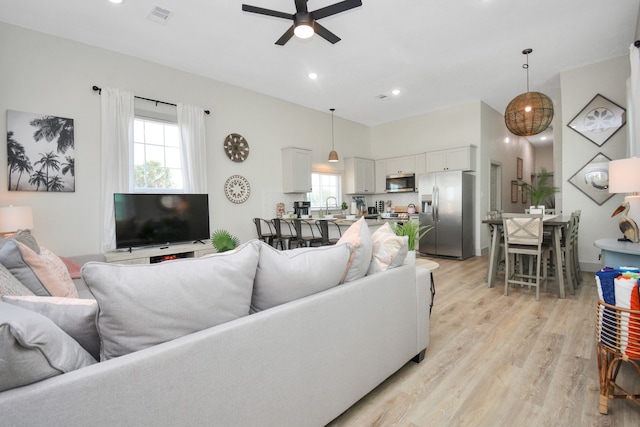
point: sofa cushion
(388, 250)
(9, 285)
(36, 272)
(358, 235)
(77, 317)
(143, 305)
(33, 348)
(284, 276)
(26, 238)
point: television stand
(160, 253)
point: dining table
(553, 224)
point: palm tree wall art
(40, 152)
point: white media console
(160, 253)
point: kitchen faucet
(334, 200)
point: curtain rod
(99, 90)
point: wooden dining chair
(523, 236)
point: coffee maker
(301, 208)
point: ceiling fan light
(303, 31)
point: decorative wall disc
(237, 189)
(236, 147)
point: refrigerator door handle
(436, 203)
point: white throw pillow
(284, 276)
(358, 235)
(144, 305)
(389, 250)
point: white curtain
(633, 106)
(194, 150)
(117, 140)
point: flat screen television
(144, 219)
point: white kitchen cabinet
(296, 170)
(460, 158)
(405, 164)
(359, 176)
(381, 175)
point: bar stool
(305, 235)
(283, 238)
(523, 236)
(262, 225)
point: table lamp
(624, 177)
(14, 218)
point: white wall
(579, 86)
(49, 75)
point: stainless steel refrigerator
(446, 200)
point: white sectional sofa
(298, 363)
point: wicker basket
(618, 335)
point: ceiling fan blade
(335, 8)
(268, 12)
(286, 36)
(325, 34)
(301, 6)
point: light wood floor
(496, 360)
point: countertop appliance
(446, 200)
(301, 208)
(401, 183)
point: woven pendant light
(528, 113)
(333, 155)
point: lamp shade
(529, 114)
(14, 218)
(333, 156)
(624, 175)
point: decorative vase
(410, 259)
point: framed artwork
(519, 168)
(599, 120)
(593, 179)
(524, 195)
(40, 152)
(515, 188)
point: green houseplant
(224, 241)
(411, 229)
(542, 190)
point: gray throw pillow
(75, 316)
(143, 305)
(33, 348)
(9, 285)
(284, 276)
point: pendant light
(333, 155)
(528, 113)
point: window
(156, 155)
(323, 186)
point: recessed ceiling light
(544, 138)
(396, 91)
(116, 1)
(313, 76)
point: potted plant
(541, 191)
(224, 241)
(344, 207)
(414, 231)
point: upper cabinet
(359, 176)
(296, 170)
(460, 158)
(396, 165)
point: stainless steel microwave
(401, 183)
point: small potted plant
(224, 241)
(414, 231)
(541, 191)
(344, 207)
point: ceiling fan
(304, 22)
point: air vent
(382, 97)
(159, 14)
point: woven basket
(618, 335)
